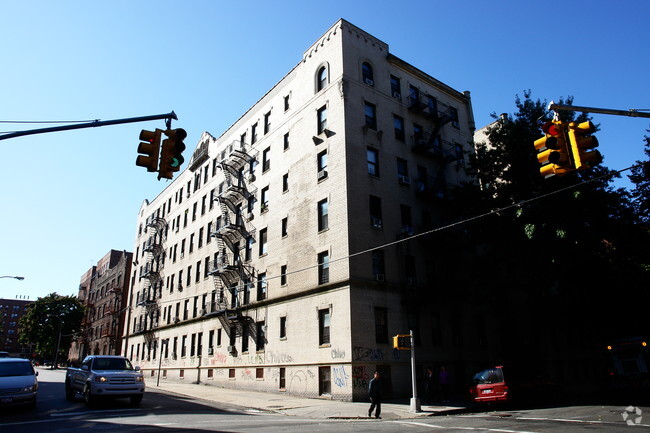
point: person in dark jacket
(374, 392)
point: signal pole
(415, 401)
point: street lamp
(11, 276)
(58, 342)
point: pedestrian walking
(374, 392)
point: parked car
(4, 354)
(18, 384)
(523, 385)
(489, 386)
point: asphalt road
(166, 413)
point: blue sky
(69, 197)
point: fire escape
(429, 142)
(234, 235)
(152, 273)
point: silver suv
(18, 384)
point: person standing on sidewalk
(374, 392)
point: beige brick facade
(308, 195)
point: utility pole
(630, 113)
(93, 124)
(415, 401)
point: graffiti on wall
(340, 376)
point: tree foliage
(40, 325)
(571, 246)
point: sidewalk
(297, 406)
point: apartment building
(11, 311)
(104, 290)
(279, 260)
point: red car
(489, 386)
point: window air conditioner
(404, 180)
(322, 174)
(379, 277)
(376, 223)
(176, 319)
(232, 349)
(397, 95)
(210, 351)
(369, 82)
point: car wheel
(136, 399)
(88, 397)
(69, 392)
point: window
(402, 168)
(266, 159)
(263, 242)
(322, 119)
(323, 267)
(193, 345)
(189, 275)
(285, 182)
(453, 113)
(283, 275)
(381, 325)
(232, 336)
(373, 161)
(367, 74)
(219, 337)
(248, 254)
(375, 212)
(264, 205)
(370, 111)
(378, 265)
(398, 125)
(200, 237)
(322, 79)
(286, 141)
(267, 123)
(261, 286)
(198, 272)
(324, 381)
(287, 100)
(283, 327)
(191, 243)
(407, 221)
(323, 215)
(285, 226)
(395, 87)
(321, 161)
(324, 326)
(418, 133)
(195, 206)
(183, 346)
(242, 139)
(261, 338)
(254, 133)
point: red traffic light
(550, 128)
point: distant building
(258, 266)
(103, 290)
(11, 310)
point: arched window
(322, 79)
(368, 76)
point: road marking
(577, 421)
(449, 427)
(92, 412)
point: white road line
(450, 427)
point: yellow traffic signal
(172, 153)
(149, 146)
(553, 150)
(580, 141)
(402, 342)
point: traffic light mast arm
(94, 124)
(630, 113)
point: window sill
(324, 346)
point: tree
(40, 324)
(567, 247)
(640, 176)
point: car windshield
(16, 369)
(112, 364)
(491, 375)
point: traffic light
(553, 150)
(150, 146)
(580, 141)
(402, 342)
(171, 157)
